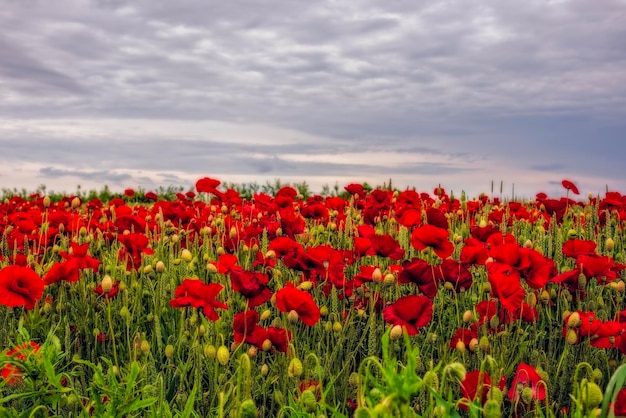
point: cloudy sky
(148, 93)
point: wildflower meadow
(225, 301)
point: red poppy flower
(252, 285)
(385, 245)
(475, 382)
(570, 186)
(135, 244)
(506, 285)
(20, 286)
(151, 196)
(111, 293)
(280, 338)
(199, 295)
(225, 263)
(527, 376)
(11, 373)
(65, 271)
(291, 299)
(574, 247)
(246, 329)
(421, 273)
(474, 251)
(207, 185)
(619, 407)
(464, 335)
(411, 312)
(434, 237)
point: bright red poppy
(291, 299)
(199, 295)
(421, 273)
(410, 312)
(570, 186)
(207, 185)
(506, 285)
(434, 237)
(20, 286)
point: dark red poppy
(246, 329)
(10, 372)
(410, 312)
(199, 295)
(151, 196)
(455, 273)
(435, 217)
(129, 192)
(291, 299)
(421, 273)
(385, 245)
(356, 189)
(20, 286)
(434, 237)
(619, 407)
(527, 376)
(252, 285)
(570, 186)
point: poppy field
(365, 302)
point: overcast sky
(152, 93)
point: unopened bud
(107, 284)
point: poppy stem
(112, 332)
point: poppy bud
(265, 369)
(306, 285)
(307, 397)
(483, 343)
(574, 320)
(609, 244)
(75, 202)
(220, 251)
(431, 379)
(186, 255)
(107, 284)
(209, 351)
(494, 322)
(531, 299)
(456, 369)
(247, 409)
(223, 355)
(389, 279)
(292, 316)
(267, 345)
(527, 395)
(396, 332)
(160, 266)
(467, 316)
(571, 337)
(144, 347)
(324, 311)
(169, 351)
(620, 286)
(544, 296)
(377, 275)
(174, 238)
(211, 268)
(147, 269)
(337, 327)
(353, 380)
(597, 375)
(295, 368)
(473, 344)
(492, 409)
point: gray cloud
(534, 85)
